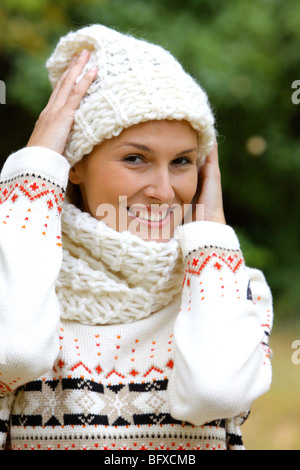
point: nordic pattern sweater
(182, 378)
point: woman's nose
(159, 186)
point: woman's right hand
(55, 121)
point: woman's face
(141, 180)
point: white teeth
(150, 216)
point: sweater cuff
(39, 160)
(194, 235)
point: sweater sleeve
(222, 361)
(6, 404)
(32, 187)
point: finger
(213, 156)
(79, 90)
(68, 79)
(57, 88)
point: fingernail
(84, 52)
(93, 70)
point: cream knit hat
(137, 82)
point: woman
(128, 317)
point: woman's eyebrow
(184, 152)
(148, 149)
(138, 146)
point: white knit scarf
(109, 277)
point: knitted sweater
(182, 377)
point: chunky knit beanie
(137, 82)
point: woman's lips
(155, 217)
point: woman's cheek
(190, 186)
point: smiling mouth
(148, 214)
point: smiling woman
(125, 325)
(155, 183)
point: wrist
(217, 219)
(198, 234)
(37, 160)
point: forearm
(31, 197)
(221, 363)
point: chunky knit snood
(109, 277)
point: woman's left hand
(209, 193)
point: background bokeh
(245, 53)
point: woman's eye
(134, 159)
(181, 161)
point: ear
(75, 173)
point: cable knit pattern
(137, 82)
(109, 277)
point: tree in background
(244, 53)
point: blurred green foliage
(245, 53)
